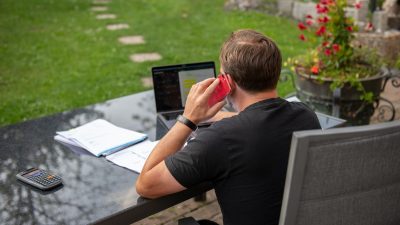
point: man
(245, 156)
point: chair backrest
(344, 176)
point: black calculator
(42, 179)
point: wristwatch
(187, 122)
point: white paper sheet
(134, 157)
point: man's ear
(231, 82)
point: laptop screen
(172, 83)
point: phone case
(220, 92)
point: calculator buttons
(40, 178)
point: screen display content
(172, 83)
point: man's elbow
(145, 190)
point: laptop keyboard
(171, 116)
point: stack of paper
(100, 137)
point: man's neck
(245, 99)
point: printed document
(133, 157)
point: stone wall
(285, 7)
(387, 44)
(392, 7)
(242, 4)
(301, 9)
(267, 6)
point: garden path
(99, 6)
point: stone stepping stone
(131, 40)
(99, 8)
(101, 1)
(119, 26)
(105, 16)
(143, 57)
(147, 82)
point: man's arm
(155, 180)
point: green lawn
(55, 56)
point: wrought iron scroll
(393, 76)
(387, 109)
(384, 110)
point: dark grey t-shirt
(245, 157)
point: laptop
(172, 85)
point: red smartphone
(221, 91)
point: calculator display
(33, 173)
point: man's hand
(196, 108)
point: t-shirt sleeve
(203, 159)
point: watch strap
(187, 122)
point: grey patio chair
(344, 176)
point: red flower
(325, 43)
(357, 5)
(301, 26)
(323, 19)
(328, 52)
(302, 37)
(369, 27)
(324, 2)
(350, 28)
(336, 47)
(315, 69)
(309, 16)
(320, 31)
(309, 22)
(321, 9)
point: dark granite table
(94, 190)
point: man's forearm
(168, 145)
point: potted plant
(336, 76)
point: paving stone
(99, 8)
(101, 1)
(187, 208)
(207, 212)
(159, 218)
(105, 16)
(143, 57)
(117, 26)
(211, 196)
(131, 40)
(147, 82)
(218, 218)
(172, 222)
